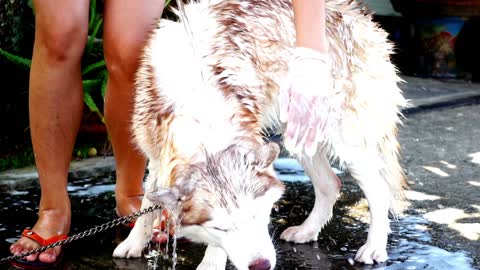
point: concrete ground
(441, 156)
(440, 144)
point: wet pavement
(411, 245)
(440, 228)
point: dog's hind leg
(378, 194)
(215, 258)
(327, 186)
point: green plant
(94, 70)
(94, 73)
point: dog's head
(226, 201)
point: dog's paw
(299, 234)
(369, 254)
(211, 265)
(129, 249)
(215, 258)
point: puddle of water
(410, 246)
(290, 170)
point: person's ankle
(55, 206)
(55, 221)
(128, 194)
(56, 214)
(127, 204)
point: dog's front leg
(215, 258)
(327, 186)
(133, 246)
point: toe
(13, 247)
(368, 261)
(32, 257)
(16, 249)
(380, 256)
(50, 255)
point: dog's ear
(186, 178)
(266, 155)
(168, 197)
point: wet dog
(207, 90)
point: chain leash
(86, 233)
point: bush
(16, 36)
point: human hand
(305, 101)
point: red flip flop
(24, 264)
(129, 225)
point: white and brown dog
(207, 90)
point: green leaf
(92, 36)
(30, 4)
(103, 89)
(167, 2)
(87, 98)
(17, 60)
(94, 66)
(93, 14)
(90, 85)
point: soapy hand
(305, 102)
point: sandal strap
(42, 241)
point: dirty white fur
(214, 84)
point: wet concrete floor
(411, 245)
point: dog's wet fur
(206, 92)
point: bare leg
(56, 105)
(127, 24)
(327, 186)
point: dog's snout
(260, 264)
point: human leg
(55, 105)
(127, 24)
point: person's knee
(62, 41)
(122, 54)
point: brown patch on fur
(152, 120)
(232, 33)
(194, 213)
(269, 181)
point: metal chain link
(86, 233)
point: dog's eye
(220, 229)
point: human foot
(127, 205)
(51, 223)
